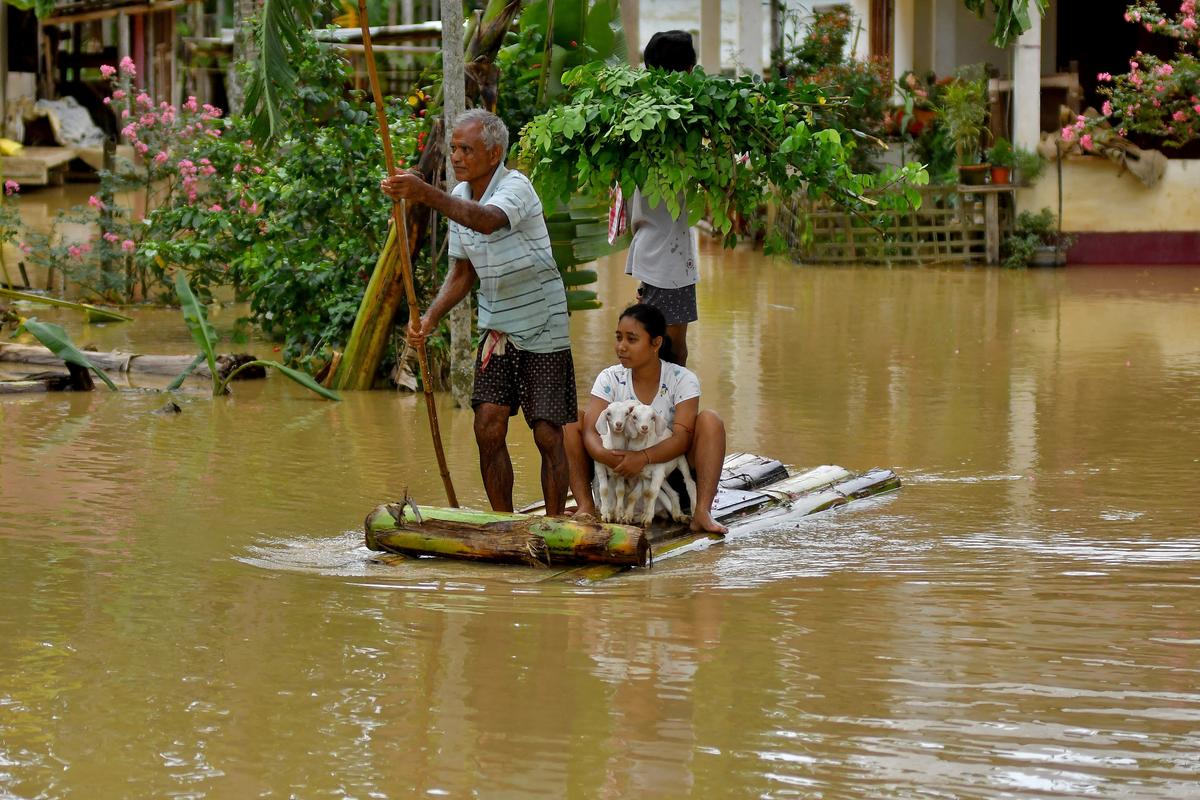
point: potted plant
(1037, 241)
(1003, 157)
(1027, 164)
(964, 110)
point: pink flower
(128, 245)
(216, 207)
(161, 157)
(1196, 108)
(119, 94)
(1189, 23)
(96, 202)
(130, 131)
(127, 66)
(256, 170)
(142, 148)
(111, 237)
(1104, 76)
(144, 99)
(1107, 108)
(107, 70)
(237, 168)
(11, 187)
(74, 252)
(1086, 141)
(1179, 116)
(1165, 69)
(1068, 134)
(24, 248)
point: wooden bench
(37, 166)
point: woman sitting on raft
(648, 375)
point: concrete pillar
(710, 36)
(945, 22)
(750, 37)
(1027, 85)
(123, 50)
(904, 28)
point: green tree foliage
(1012, 17)
(727, 145)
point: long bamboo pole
(401, 225)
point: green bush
(296, 226)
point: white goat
(647, 428)
(612, 425)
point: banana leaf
(92, 313)
(56, 340)
(302, 378)
(197, 323)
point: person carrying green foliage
(662, 254)
(498, 239)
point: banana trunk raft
(754, 492)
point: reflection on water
(189, 609)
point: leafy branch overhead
(1012, 17)
(725, 144)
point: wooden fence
(951, 226)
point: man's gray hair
(492, 129)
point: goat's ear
(602, 422)
(660, 424)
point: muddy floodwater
(186, 608)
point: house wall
(1117, 218)
(1099, 197)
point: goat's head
(614, 416)
(643, 419)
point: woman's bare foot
(702, 521)
(585, 509)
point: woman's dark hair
(670, 50)
(655, 324)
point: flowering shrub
(297, 226)
(10, 224)
(1156, 97)
(819, 56)
(111, 264)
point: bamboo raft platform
(755, 493)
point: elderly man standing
(498, 239)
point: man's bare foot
(585, 510)
(702, 521)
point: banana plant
(205, 337)
(54, 338)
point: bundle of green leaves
(727, 145)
